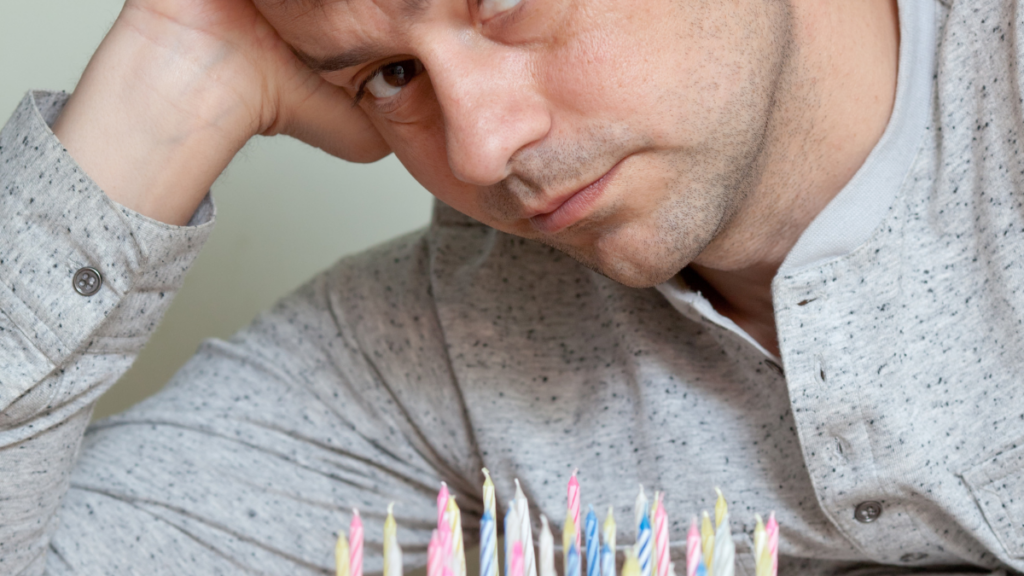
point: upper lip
(557, 200)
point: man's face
(625, 133)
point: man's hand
(177, 88)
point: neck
(835, 100)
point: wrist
(154, 119)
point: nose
(491, 105)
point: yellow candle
(759, 540)
(720, 508)
(489, 503)
(632, 565)
(392, 552)
(341, 555)
(458, 546)
(707, 540)
(609, 529)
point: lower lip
(575, 208)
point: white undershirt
(852, 216)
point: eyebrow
(359, 54)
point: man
(832, 187)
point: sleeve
(251, 459)
(62, 345)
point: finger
(326, 118)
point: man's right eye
(389, 79)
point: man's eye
(389, 79)
(491, 8)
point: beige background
(285, 210)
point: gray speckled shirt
(459, 346)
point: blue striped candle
(643, 545)
(593, 544)
(572, 564)
(607, 561)
(488, 545)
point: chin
(636, 265)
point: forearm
(59, 350)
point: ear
(328, 120)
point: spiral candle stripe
(573, 561)
(643, 547)
(661, 538)
(516, 563)
(435, 556)
(574, 505)
(355, 562)
(772, 544)
(593, 544)
(488, 545)
(692, 548)
(608, 548)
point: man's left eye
(491, 8)
(389, 79)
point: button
(87, 281)
(868, 512)
(913, 557)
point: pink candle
(692, 548)
(574, 505)
(772, 543)
(435, 556)
(661, 537)
(442, 504)
(355, 531)
(515, 566)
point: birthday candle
(488, 545)
(661, 537)
(442, 503)
(651, 514)
(444, 533)
(511, 534)
(692, 548)
(572, 561)
(772, 545)
(547, 548)
(435, 555)
(760, 563)
(355, 561)
(392, 551)
(525, 532)
(593, 544)
(643, 546)
(707, 537)
(489, 530)
(608, 548)
(723, 559)
(458, 558)
(516, 563)
(568, 540)
(574, 504)
(640, 508)
(631, 567)
(341, 555)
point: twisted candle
(442, 503)
(511, 533)
(772, 545)
(525, 532)
(546, 563)
(707, 537)
(654, 533)
(574, 503)
(661, 537)
(692, 548)
(355, 530)
(572, 561)
(608, 548)
(640, 508)
(643, 546)
(341, 555)
(392, 551)
(458, 558)
(435, 556)
(760, 559)
(723, 558)
(516, 563)
(489, 530)
(593, 544)
(568, 540)
(631, 567)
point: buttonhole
(805, 302)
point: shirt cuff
(54, 223)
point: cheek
(420, 147)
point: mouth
(570, 209)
